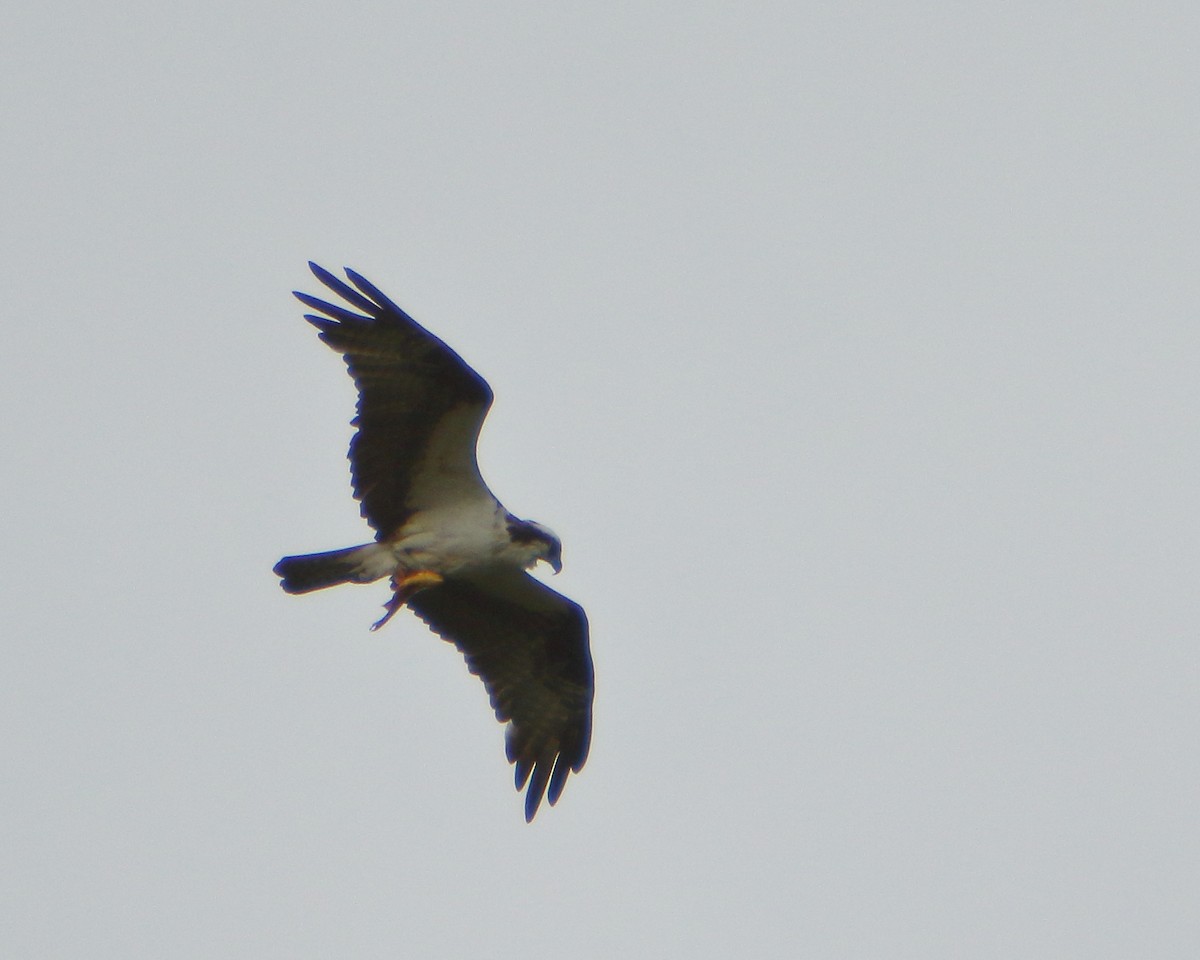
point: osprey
(455, 556)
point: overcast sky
(851, 348)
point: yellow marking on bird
(403, 588)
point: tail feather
(315, 571)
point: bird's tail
(315, 571)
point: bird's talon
(403, 590)
(391, 607)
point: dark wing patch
(529, 645)
(408, 381)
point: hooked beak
(555, 565)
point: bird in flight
(455, 556)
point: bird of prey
(455, 556)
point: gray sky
(851, 348)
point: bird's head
(542, 542)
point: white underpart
(375, 561)
(458, 523)
(449, 538)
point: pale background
(852, 349)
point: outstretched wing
(529, 645)
(420, 406)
